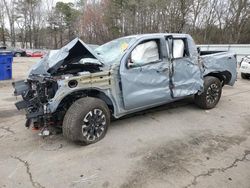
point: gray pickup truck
(79, 89)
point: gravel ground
(175, 145)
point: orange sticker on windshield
(124, 46)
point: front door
(145, 75)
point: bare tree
(42, 23)
(240, 10)
(9, 7)
(2, 23)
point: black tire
(211, 94)
(18, 54)
(244, 76)
(86, 121)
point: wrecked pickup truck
(78, 89)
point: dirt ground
(176, 145)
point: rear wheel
(86, 121)
(211, 94)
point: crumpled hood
(70, 53)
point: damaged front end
(35, 93)
(44, 79)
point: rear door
(145, 74)
(186, 76)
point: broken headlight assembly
(35, 94)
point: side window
(180, 48)
(144, 53)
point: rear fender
(222, 65)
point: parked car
(79, 89)
(16, 52)
(245, 67)
(36, 54)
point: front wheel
(86, 121)
(211, 94)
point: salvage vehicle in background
(245, 67)
(16, 52)
(79, 89)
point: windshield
(114, 49)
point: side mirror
(133, 63)
(130, 63)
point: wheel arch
(72, 97)
(223, 76)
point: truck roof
(159, 34)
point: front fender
(65, 93)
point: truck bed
(202, 53)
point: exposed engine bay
(77, 68)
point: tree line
(46, 24)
